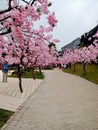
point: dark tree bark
(74, 67)
(69, 65)
(33, 73)
(84, 68)
(20, 80)
(33, 2)
(7, 10)
(40, 70)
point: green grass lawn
(91, 72)
(4, 116)
(28, 74)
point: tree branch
(32, 2)
(10, 7)
(36, 34)
(29, 3)
(9, 4)
(6, 32)
(7, 10)
(25, 2)
(4, 18)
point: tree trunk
(74, 67)
(36, 69)
(69, 65)
(20, 81)
(33, 74)
(84, 68)
(40, 70)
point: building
(74, 44)
(83, 40)
(87, 38)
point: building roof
(83, 39)
(74, 44)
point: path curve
(62, 102)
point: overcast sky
(75, 17)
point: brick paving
(10, 96)
(62, 102)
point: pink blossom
(56, 40)
(52, 20)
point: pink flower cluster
(52, 20)
(27, 44)
(83, 55)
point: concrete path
(10, 96)
(62, 102)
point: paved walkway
(62, 102)
(10, 96)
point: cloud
(75, 18)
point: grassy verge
(37, 74)
(91, 72)
(4, 116)
(28, 74)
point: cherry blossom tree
(70, 57)
(83, 55)
(23, 41)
